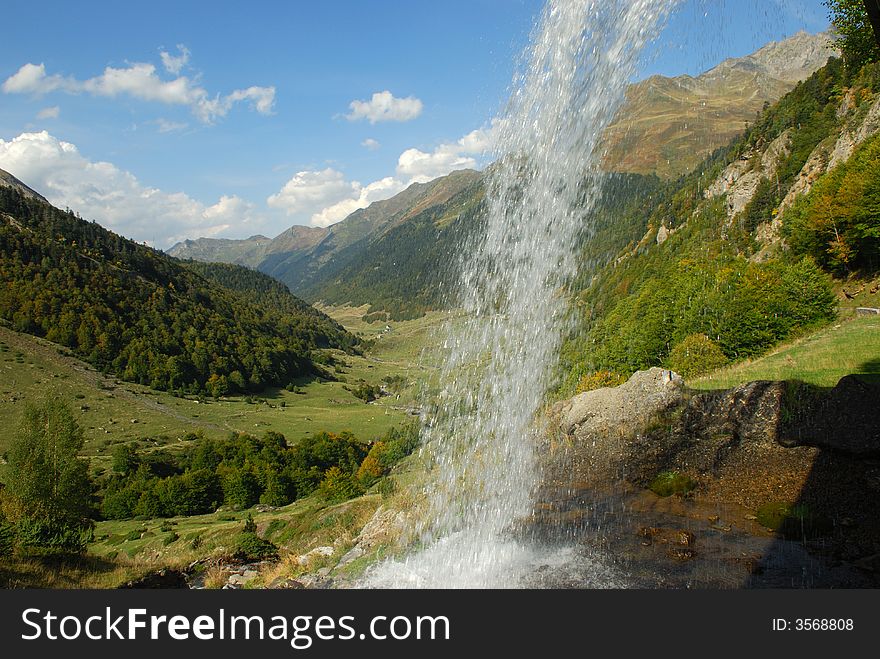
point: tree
(855, 35)
(49, 492)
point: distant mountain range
(303, 256)
(669, 125)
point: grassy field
(821, 358)
(111, 411)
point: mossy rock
(667, 483)
(794, 521)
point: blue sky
(175, 120)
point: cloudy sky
(175, 120)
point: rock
(351, 555)
(166, 578)
(386, 526)
(662, 234)
(285, 583)
(317, 552)
(739, 181)
(681, 554)
(236, 580)
(843, 419)
(749, 412)
(640, 398)
(851, 137)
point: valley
(651, 339)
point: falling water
(500, 354)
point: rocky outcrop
(740, 179)
(386, 527)
(746, 453)
(852, 136)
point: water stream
(498, 357)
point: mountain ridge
(669, 125)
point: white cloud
(49, 113)
(370, 144)
(383, 106)
(174, 63)
(140, 80)
(366, 195)
(308, 192)
(325, 197)
(165, 126)
(419, 166)
(115, 198)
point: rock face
(746, 451)
(739, 180)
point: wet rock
(843, 419)
(681, 553)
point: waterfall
(499, 353)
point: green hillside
(137, 313)
(705, 283)
(820, 358)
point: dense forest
(146, 317)
(244, 470)
(708, 291)
(413, 268)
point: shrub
(371, 468)
(7, 537)
(48, 485)
(695, 355)
(251, 547)
(598, 380)
(339, 486)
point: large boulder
(592, 429)
(632, 404)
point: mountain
(668, 125)
(7, 180)
(242, 252)
(299, 256)
(749, 248)
(147, 317)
